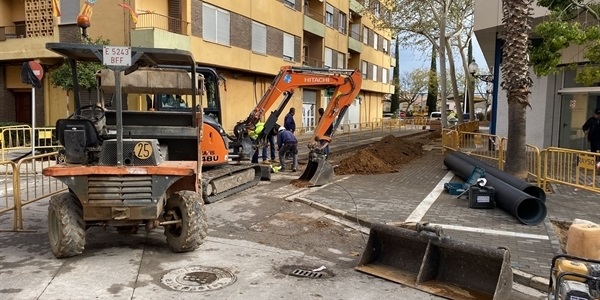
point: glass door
(574, 109)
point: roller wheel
(66, 228)
(188, 207)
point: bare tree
(412, 85)
(419, 24)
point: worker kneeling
(286, 141)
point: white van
(436, 115)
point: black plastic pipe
(527, 209)
(526, 187)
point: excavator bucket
(427, 260)
(318, 171)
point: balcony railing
(355, 35)
(314, 14)
(312, 62)
(153, 20)
(13, 32)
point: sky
(411, 59)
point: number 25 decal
(142, 150)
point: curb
(533, 281)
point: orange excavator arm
(343, 97)
(286, 82)
(318, 171)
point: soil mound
(384, 156)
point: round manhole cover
(198, 279)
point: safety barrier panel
(25, 184)
(9, 195)
(18, 137)
(14, 138)
(570, 167)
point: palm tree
(516, 80)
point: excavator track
(223, 181)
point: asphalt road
(256, 240)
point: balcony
(312, 62)
(356, 6)
(354, 41)
(159, 31)
(13, 32)
(314, 21)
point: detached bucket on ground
(427, 260)
(318, 171)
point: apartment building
(559, 105)
(245, 41)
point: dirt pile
(384, 156)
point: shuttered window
(215, 24)
(341, 60)
(374, 73)
(259, 38)
(69, 10)
(288, 47)
(328, 58)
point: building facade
(559, 105)
(245, 41)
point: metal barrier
(26, 184)
(14, 138)
(18, 137)
(570, 167)
(9, 192)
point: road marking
(494, 232)
(424, 206)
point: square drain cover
(305, 273)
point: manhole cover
(198, 279)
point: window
(68, 12)
(342, 23)
(215, 24)
(288, 47)
(364, 69)
(384, 75)
(328, 58)
(259, 38)
(329, 15)
(341, 60)
(365, 37)
(385, 45)
(374, 73)
(375, 40)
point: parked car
(436, 115)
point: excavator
(223, 169)
(346, 84)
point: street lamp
(474, 67)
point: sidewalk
(394, 197)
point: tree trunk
(432, 85)
(515, 73)
(457, 103)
